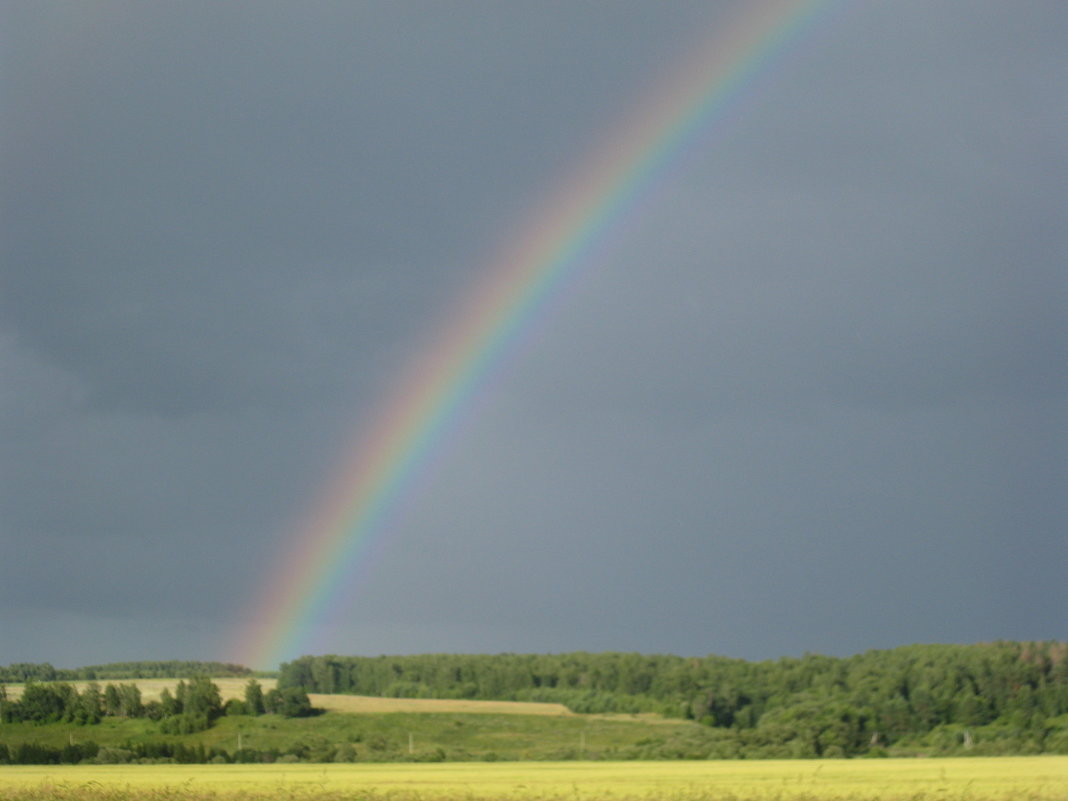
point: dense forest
(173, 669)
(1002, 697)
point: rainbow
(331, 548)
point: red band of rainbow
(402, 436)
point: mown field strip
(370, 705)
(980, 779)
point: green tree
(289, 702)
(90, 706)
(254, 698)
(45, 703)
(112, 700)
(168, 703)
(130, 704)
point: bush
(186, 723)
(346, 752)
(113, 756)
(289, 702)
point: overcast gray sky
(814, 399)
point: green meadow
(401, 736)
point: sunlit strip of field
(979, 779)
(369, 705)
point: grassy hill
(362, 728)
(381, 736)
(988, 699)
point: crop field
(978, 779)
(392, 729)
(367, 705)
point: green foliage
(254, 698)
(194, 707)
(289, 702)
(129, 702)
(937, 700)
(89, 708)
(812, 706)
(176, 669)
(43, 703)
(337, 736)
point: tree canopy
(809, 706)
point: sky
(813, 397)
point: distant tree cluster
(173, 669)
(62, 703)
(193, 706)
(1004, 697)
(289, 702)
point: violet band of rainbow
(402, 437)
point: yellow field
(993, 779)
(368, 705)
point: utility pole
(411, 743)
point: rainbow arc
(412, 424)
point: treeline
(161, 752)
(174, 669)
(90, 753)
(192, 707)
(1009, 697)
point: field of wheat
(993, 779)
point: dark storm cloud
(193, 188)
(813, 399)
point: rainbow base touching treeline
(560, 239)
